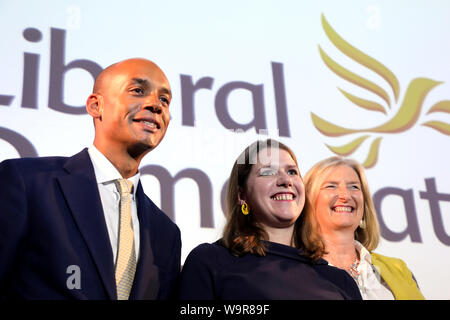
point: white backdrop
(257, 63)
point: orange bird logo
(399, 119)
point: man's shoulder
(38, 166)
(37, 160)
(35, 164)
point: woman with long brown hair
(260, 256)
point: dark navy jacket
(212, 272)
(52, 222)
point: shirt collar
(105, 172)
(364, 254)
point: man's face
(135, 97)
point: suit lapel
(146, 280)
(81, 192)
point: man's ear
(94, 106)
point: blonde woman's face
(339, 204)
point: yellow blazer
(398, 277)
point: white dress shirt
(105, 174)
(369, 281)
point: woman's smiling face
(274, 189)
(340, 202)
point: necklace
(353, 269)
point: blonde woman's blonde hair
(369, 236)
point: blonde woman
(340, 225)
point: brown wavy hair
(241, 233)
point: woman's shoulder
(207, 248)
(207, 251)
(378, 258)
(398, 276)
(391, 266)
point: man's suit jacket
(53, 230)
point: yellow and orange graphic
(405, 117)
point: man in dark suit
(61, 236)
